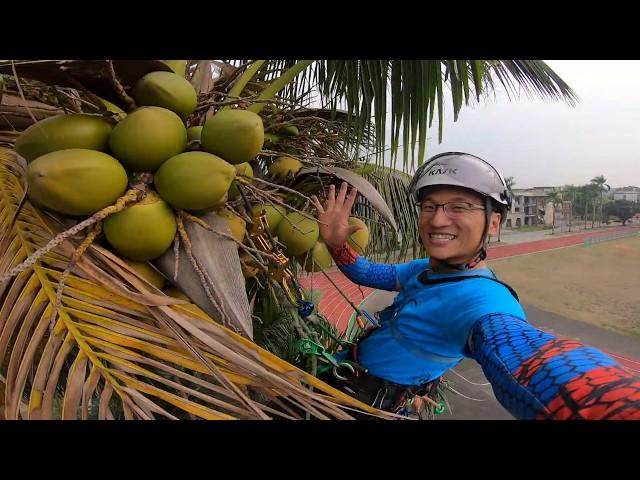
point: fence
(611, 236)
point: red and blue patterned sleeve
(536, 375)
(361, 271)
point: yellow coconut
(167, 90)
(75, 181)
(149, 273)
(235, 135)
(360, 239)
(284, 167)
(297, 233)
(194, 180)
(274, 213)
(241, 169)
(320, 254)
(236, 224)
(143, 231)
(147, 137)
(64, 132)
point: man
(452, 306)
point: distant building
(531, 207)
(631, 194)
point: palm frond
(393, 186)
(417, 91)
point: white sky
(541, 143)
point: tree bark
(15, 115)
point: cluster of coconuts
(79, 164)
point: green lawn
(598, 284)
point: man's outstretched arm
(536, 375)
(361, 271)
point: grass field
(598, 284)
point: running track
(338, 311)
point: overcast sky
(541, 143)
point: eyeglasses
(451, 209)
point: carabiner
(338, 366)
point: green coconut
(284, 167)
(290, 131)
(147, 137)
(64, 132)
(235, 135)
(271, 139)
(194, 180)
(320, 254)
(298, 234)
(274, 213)
(194, 133)
(143, 231)
(75, 181)
(241, 169)
(178, 66)
(193, 138)
(167, 90)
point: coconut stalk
(242, 81)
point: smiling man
(451, 306)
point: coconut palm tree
(510, 181)
(85, 336)
(602, 187)
(556, 199)
(570, 193)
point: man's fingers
(341, 194)
(351, 199)
(317, 204)
(331, 197)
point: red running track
(551, 243)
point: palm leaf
(417, 87)
(385, 243)
(115, 350)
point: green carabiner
(308, 347)
(440, 408)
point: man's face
(457, 239)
